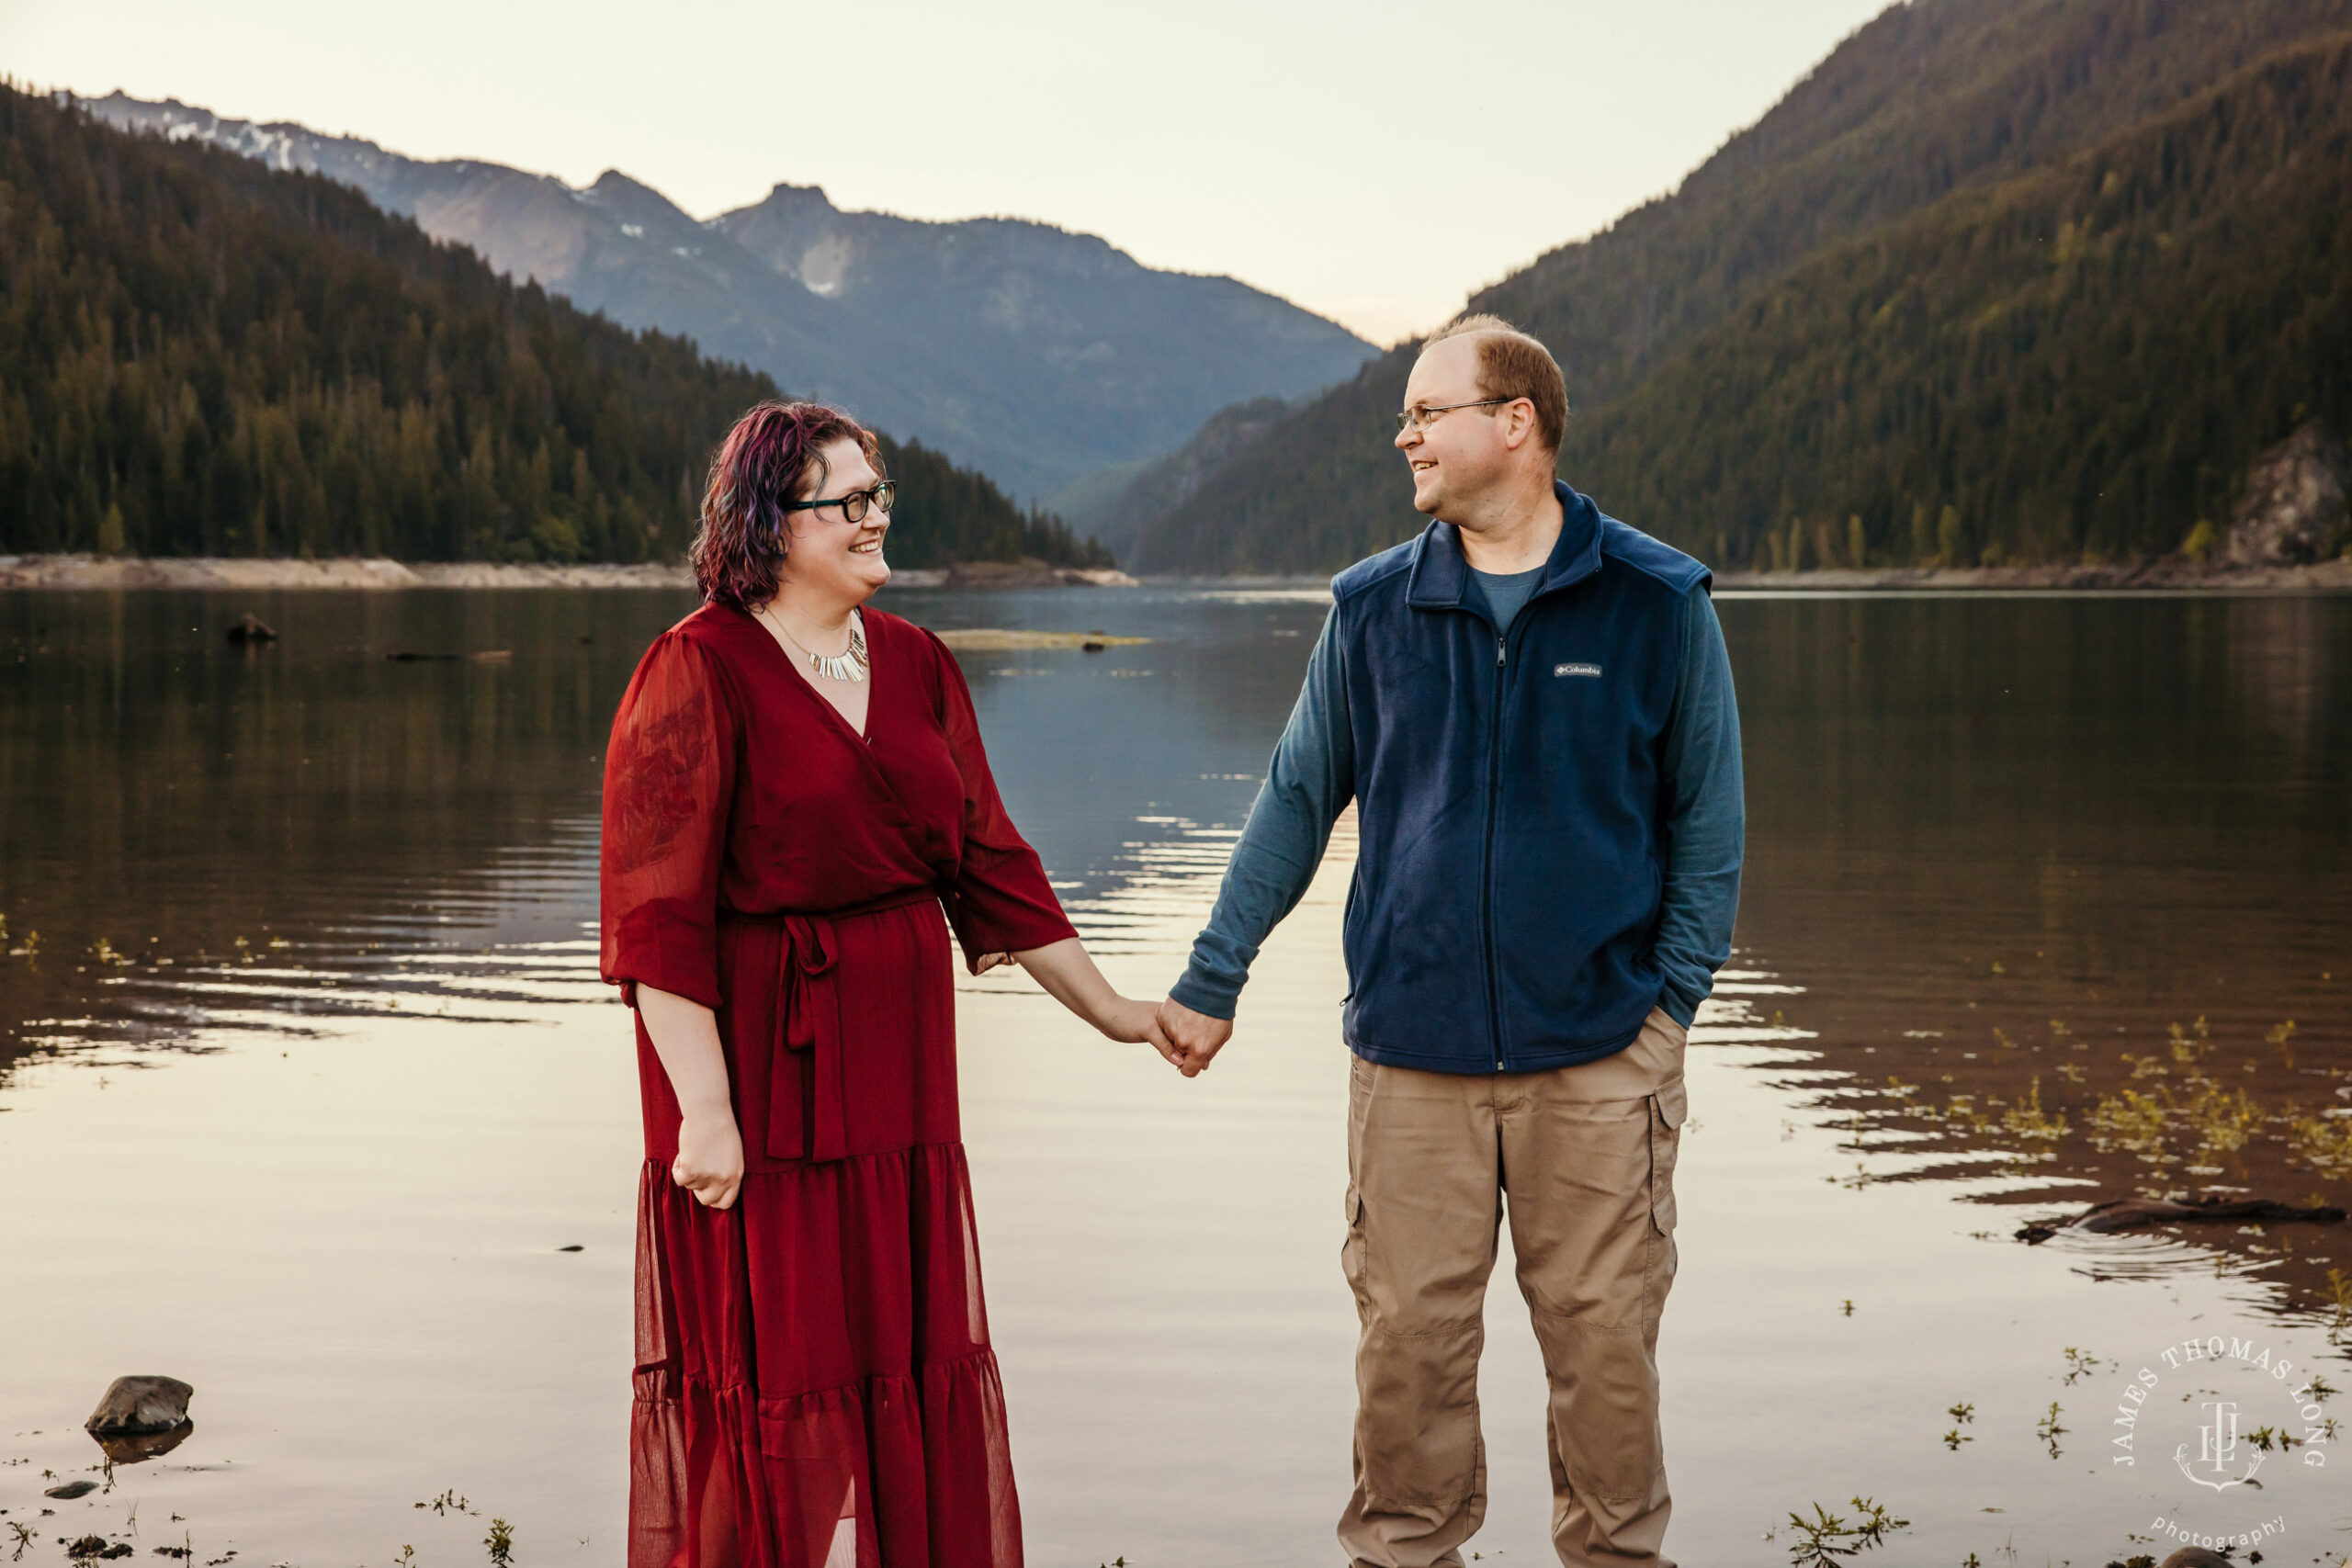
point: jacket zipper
(1487, 871)
(1494, 796)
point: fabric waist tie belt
(808, 1021)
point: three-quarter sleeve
(669, 781)
(1000, 901)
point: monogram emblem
(2216, 1448)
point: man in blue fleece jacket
(1532, 707)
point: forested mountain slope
(1928, 102)
(202, 356)
(2079, 363)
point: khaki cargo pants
(1586, 1157)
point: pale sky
(1374, 160)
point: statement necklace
(849, 666)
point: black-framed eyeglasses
(1422, 418)
(855, 504)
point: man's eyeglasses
(1422, 418)
(855, 504)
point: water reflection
(195, 829)
(137, 1448)
(1999, 849)
(281, 834)
(2064, 883)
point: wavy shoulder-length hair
(769, 458)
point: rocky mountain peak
(1039, 356)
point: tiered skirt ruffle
(814, 1383)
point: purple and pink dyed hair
(769, 457)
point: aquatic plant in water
(2026, 1119)
(1826, 1537)
(2187, 1099)
(2049, 1430)
(1962, 1414)
(2132, 1121)
(2323, 1142)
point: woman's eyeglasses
(855, 504)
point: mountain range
(1998, 280)
(203, 355)
(1043, 358)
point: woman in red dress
(794, 789)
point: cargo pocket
(1351, 1249)
(1668, 1107)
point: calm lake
(309, 1094)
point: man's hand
(1196, 1036)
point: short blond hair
(1514, 364)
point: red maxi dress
(814, 1385)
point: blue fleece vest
(1509, 798)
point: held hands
(1196, 1037)
(1187, 1039)
(1126, 1019)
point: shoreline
(84, 573)
(2171, 575)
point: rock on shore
(141, 1403)
(2295, 510)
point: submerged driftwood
(995, 639)
(2131, 1213)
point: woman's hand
(710, 1147)
(987, 961)
(710, 1157)
(1126, 1020)
(1067, 973)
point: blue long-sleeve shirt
(1312, 778)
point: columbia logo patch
(1576, 669)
